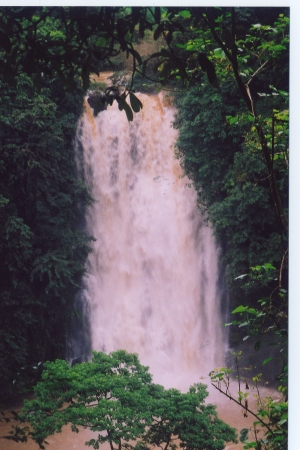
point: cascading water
(152, 278)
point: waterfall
(152, 281)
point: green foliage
(269, 429)
(69, 43)
(231, 179)
(233, 144)
(43, 249)
(114, 396)
(143, 85)
(64, 42)
(236, 153)
(99, 98)
(269, 316)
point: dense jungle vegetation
(43, 248)
(228, 73)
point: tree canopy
(43, 246)
(114, 396)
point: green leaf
(266, 361)
(129, 112)
(186, 14)
(101, 42)
(135, 102)
(233, 120)
(269, 266)
(219, 53)
(244, 434)
(240, 309)
(278, 47)
(181, 45)
(123, 105)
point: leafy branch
(270, 414)
(246, 94)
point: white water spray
(152, 282)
